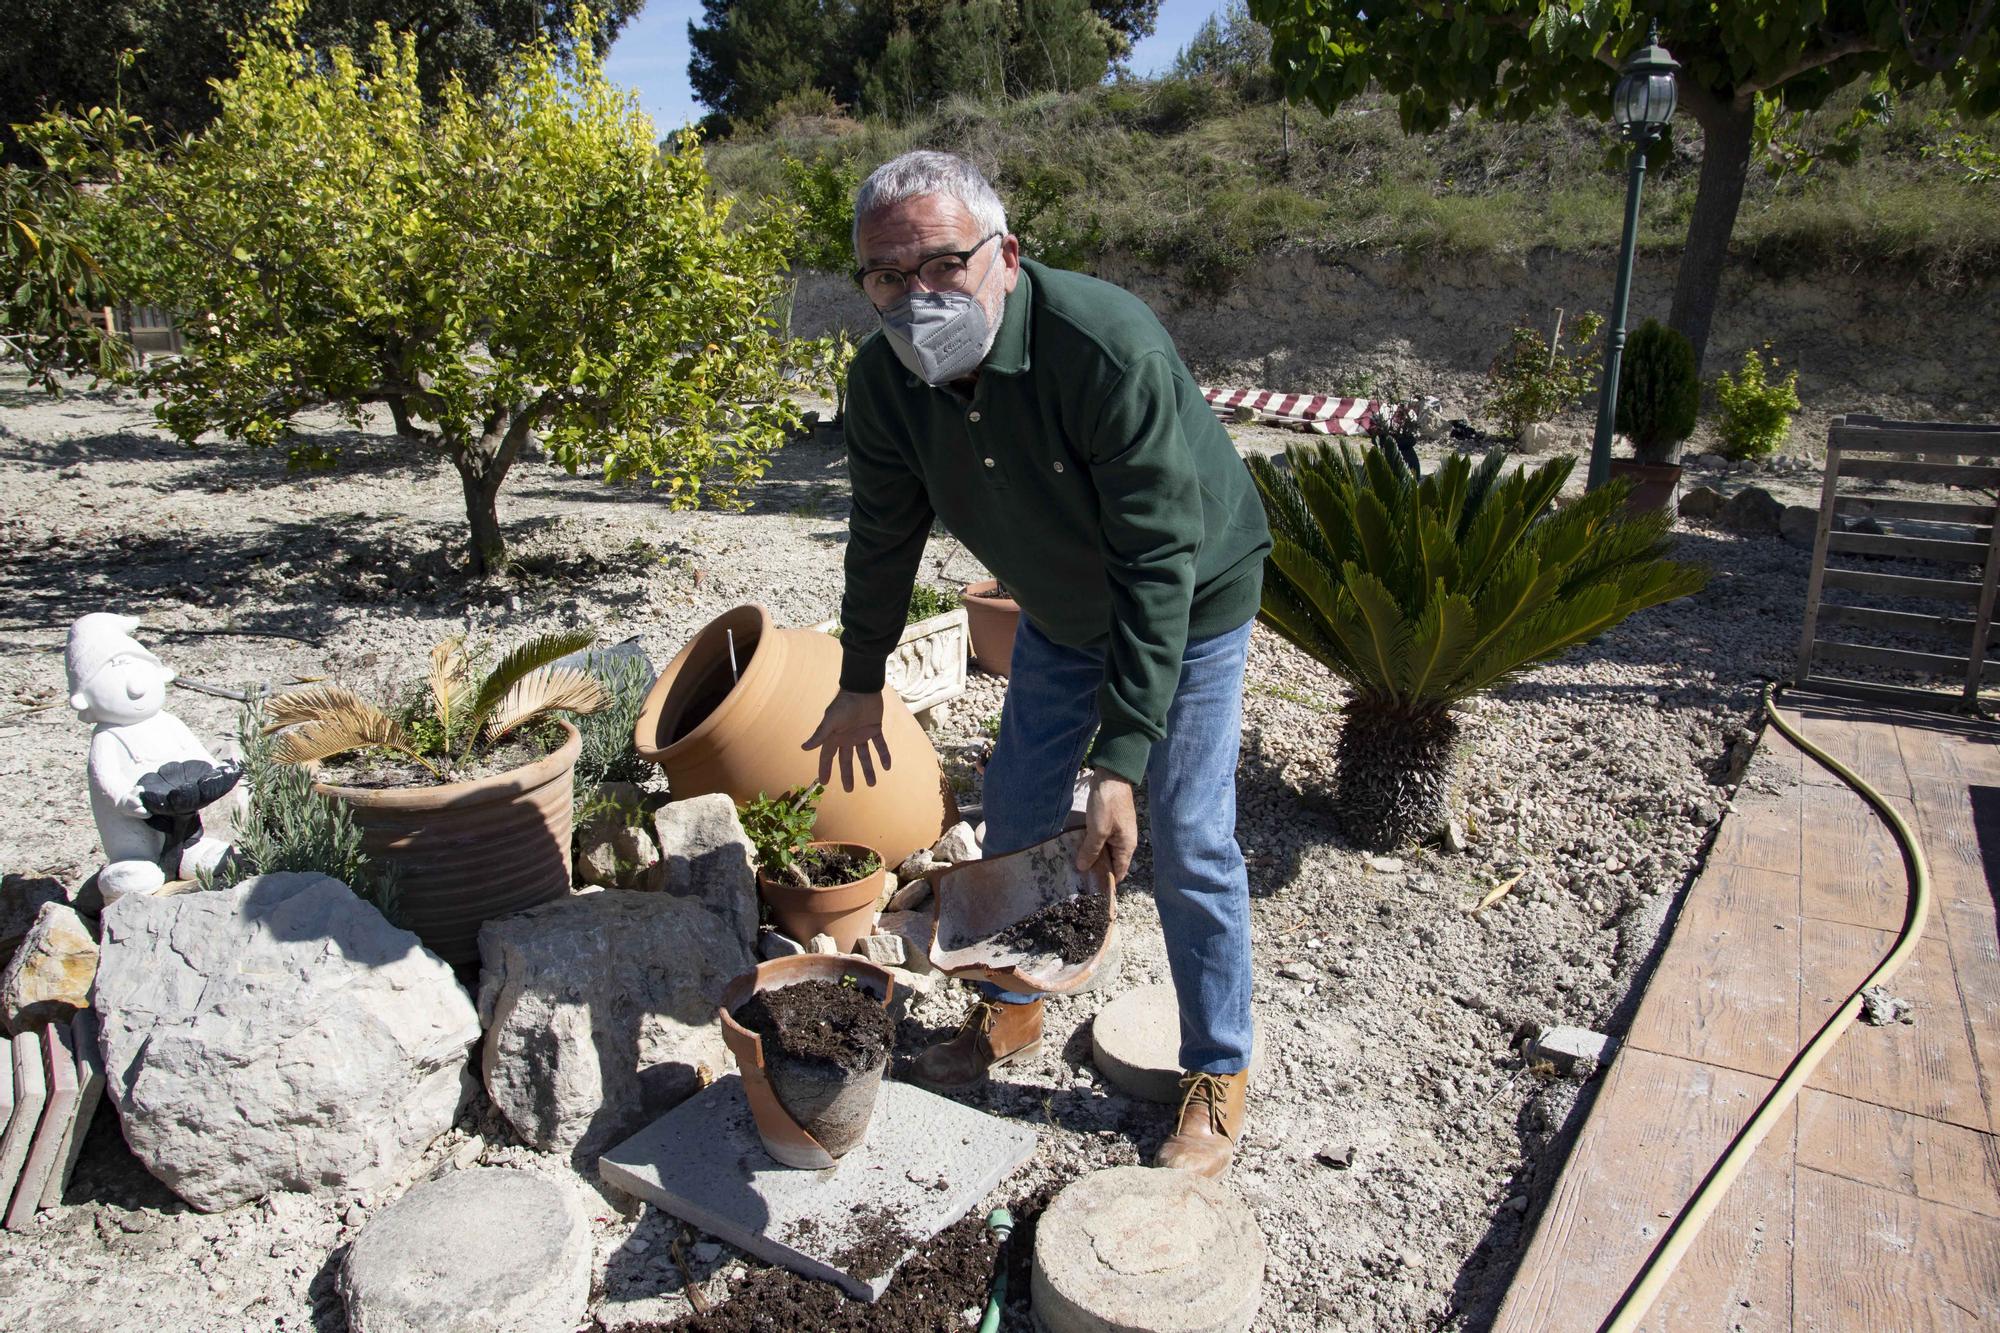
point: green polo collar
(1010, 346)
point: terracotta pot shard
(978, 900)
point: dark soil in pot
(1072, 930)
(383, 770)
(827, 866)
(825, 1046)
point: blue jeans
(1199, 883)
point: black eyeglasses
(886, 285)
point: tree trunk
(400, 411)
(1392, 776)
(482, 466)
(1726, 130)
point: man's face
(904, 235)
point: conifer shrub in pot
(1422, 591)
(811, 1035)
(1659, 397)
(812, 888)
(462, 789)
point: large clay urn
(467, 852)
(717, 724)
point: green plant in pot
(1659, 397)
(1422, 591)
(812, 888)
(463, 786)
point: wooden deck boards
(1875, 1205)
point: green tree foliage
(1533, 382)
(897, 58)
(1756, 406)
(524, 263)
(1513, 58)
(65, 53)
(1659, 392)
(1420, 592)
(1229, 44)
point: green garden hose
(1001, 1223)
(1680, 1237)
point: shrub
(1534, 382)
(927, 601)
(1659, 391)
(1756, 410)
(607, 754)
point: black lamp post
(1642, 105)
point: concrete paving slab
(31, 1094)
(1135, 1042)
(59, 1058)
(89, 1092)
(925, 1163)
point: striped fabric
(1314, 413)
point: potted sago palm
(812, 888)
(462, 789)
(1422, 591)
(1659, 397)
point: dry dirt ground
(1399, 1148)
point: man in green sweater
(1046, 418)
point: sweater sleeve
(888, 524)
(1151, 514)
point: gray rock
(1752, 510)
(911, 895)
(600, 1011)
(280, 1035)
(777, 944)
(1454, 837)
(487, 1249)
(823, 944)
(913, 867)
(1701, 502)
(614, 848)
(1571, 1049)
(48, 979)
(21, 898)
(958, 844)
(887, 950)
(704, 854)
(1799, 525)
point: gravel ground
(1398, 1150)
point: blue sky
(651, 54)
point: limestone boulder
(613, 854)
(21, 899)
(705, 854)
(1753, 510)
(1799, 525)
(600, 1010)
(280, 1035)
(1703, 502)
(48, 978)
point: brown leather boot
(993, 1035)
(1211, 1122)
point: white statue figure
(149, 775)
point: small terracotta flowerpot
(1653, 484)
(844, 911)
(805, 1118)
(991, 622)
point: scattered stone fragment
(1880, 1009)
(889, 887)
(280, 1035)
(50, 976)
(1298, 971)
(1568, 1048)
(489, 1248)
(915, 930)
(957, 845)
(1384, 865)
(823, 944)
(777, 944)
(1701, 502)
(704, 854)
(1339, 1158)
(1752, 510)
(884, 949)
(910, 894)
(614, 853)
(1132, 1247)
(914, 867)
(1454, 837)
(580, 995)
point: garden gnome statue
(149, 776)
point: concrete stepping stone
(487, 1248)
(45, 1155)
(925, 1163)
(89, 1092)
(1135, 1042)
(1141, 1248)
(31, 1094)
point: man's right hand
(851, 728)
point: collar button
(973, 417)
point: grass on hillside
(1191, 177)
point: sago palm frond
(533, 655)
(548, 690)
(342, 726)
(450, 679)
(312, 704)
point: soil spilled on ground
(821, 1021)
(1073, 930)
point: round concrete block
(486, 1250)
(1135, 1042)
(1136, 1248)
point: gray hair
(925, 172)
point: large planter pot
(805, 1117)
(991, 622)
(1653, 484)
(844, 911)
(467, 852)
(738, 729)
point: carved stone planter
(928, 666)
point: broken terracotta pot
(805, 1118)
(978, 900)
(844, 911)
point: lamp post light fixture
(1642, 104)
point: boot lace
(1208, 1090)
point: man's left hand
(1111, 827)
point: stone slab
(1135, 1042)
(89, 1092)
(46, 1154)
(925, 1163)
(1139, 1248)
(31, 1094)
